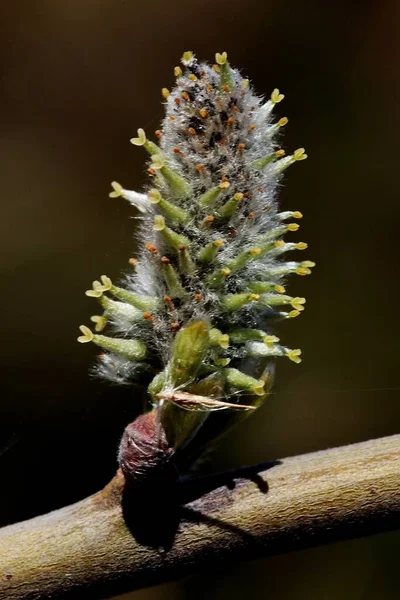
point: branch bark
(117, 540)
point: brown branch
(115, 541)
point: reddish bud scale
(144, 454)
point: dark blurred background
(77, 79)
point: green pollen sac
(209, 197)
(281, 299)
(172, 280)
(229, 208)
(270, 247)
(233, 302)
(145, 303)
(263, 287)
(209, 252)
(188, 350)
(173, 239)
(130, 349)
(244, 383)
(220, 361)
(243, 335)
(283, 164)
(169, 210)
(217, 277)
(262, 162)
(217, 338)
(156, 385)
(273, 234)
(299, 268)
(186, 265)
(176, 183)
(258, 350)
(243, 259)
(121, 310)
(281, 248)
(151, 147)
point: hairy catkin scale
(192, 320)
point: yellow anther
(298, 303)
(224, 341)
(133, 261)
(280, 289)
(117, 190)
(292, 226)
(218, 243)
(87, 335)
(221, 59)
(293, 314)
(238, 196)
(192, 77)
(222, 362)
(225, 272)
(101, 322)
(187, 57)
(282, 122)
(177, 71)
(159, 223)
(203, 113)
(216, 68)
(255, 251)
(297, 214)
(294, 355)
(279, 244)
(165, 93)
(299, 154)
(279, 153)
(224, 185)
(154, 196)
(259, 389)
(157, 163)
(304, 267)
(301, 246)
(140, 140)
(106, 283)
(245, 84)
(276, 96)
(94, 293)
(270, 340)
(254, 297)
